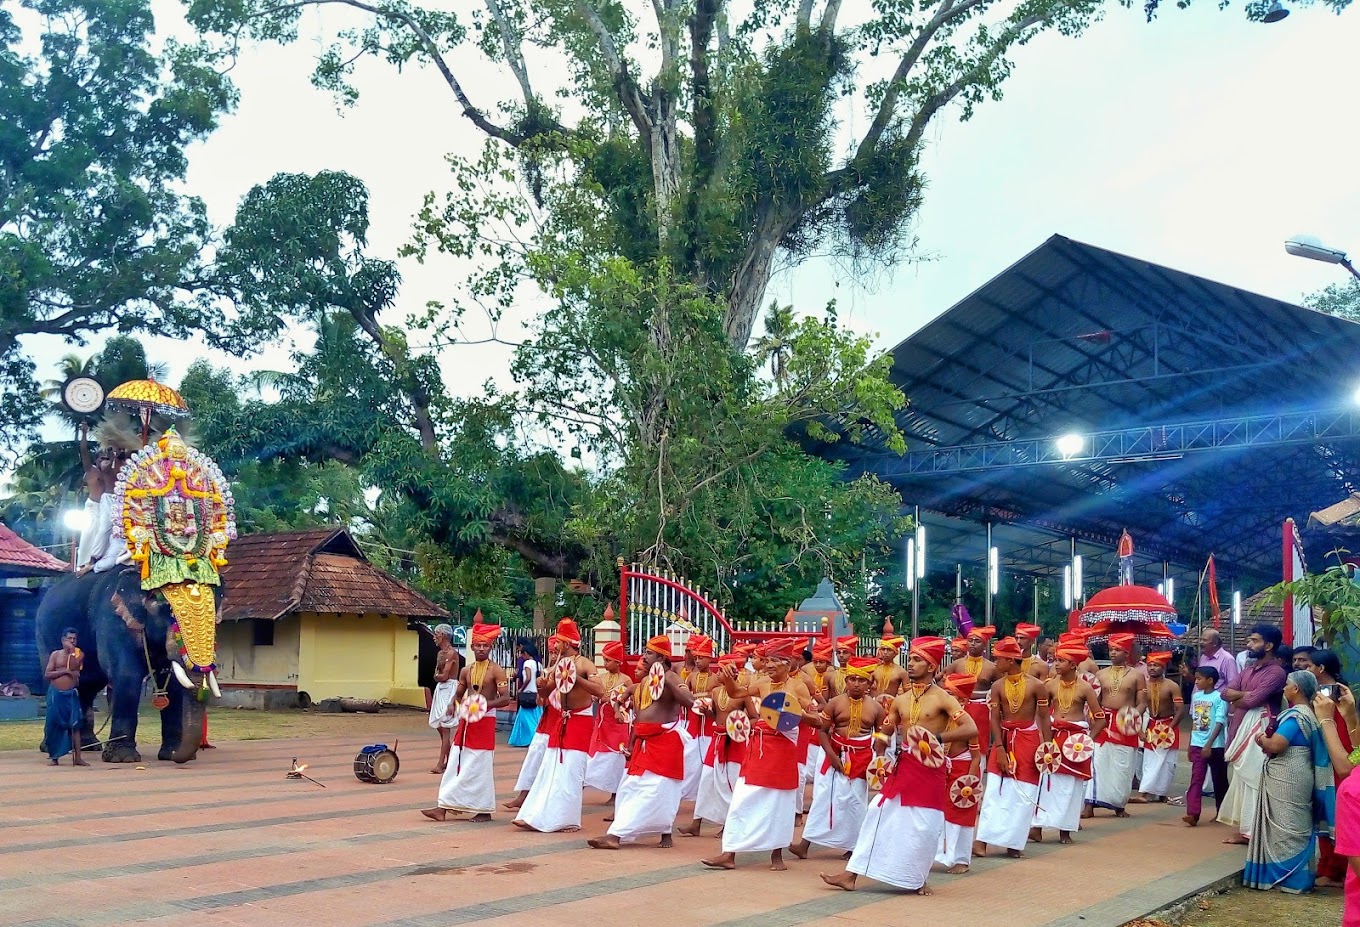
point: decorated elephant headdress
(174, 512)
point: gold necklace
(914, 712)
(1015, 689)
(478, 675)
(723, 699)
(1118, 673)
(817, 681)
(1155, 698)
(611, 682)
(1067, 694)
(856, 715)
(882, 679)
(700, 685)
(644, 695)
(972, 665)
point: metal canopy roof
(1208, 415)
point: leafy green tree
(95, 234)
(1339, 299)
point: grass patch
(1244, 907)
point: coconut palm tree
(775, 346)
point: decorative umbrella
(143, 398)
(1128, 609)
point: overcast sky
(1200, 141)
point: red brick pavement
(228, 840)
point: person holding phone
(1323, 664)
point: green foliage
(1334, 590)
(1339, 299)
(94, 231)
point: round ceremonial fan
(83, 395)
(1160, 737)
(618, 696)
(702, 706)
(656, 681)
(966, 791)
(564, 674)
(1128, 721)
(925, 746)
(880, 768)
(1048, 757)
(474, 708)
(1078, 747)
(738, 727)
(1094, 682)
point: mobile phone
(1333, 691)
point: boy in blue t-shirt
(1208, 743)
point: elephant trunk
(191, 731)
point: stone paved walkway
(227, 840)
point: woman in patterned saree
(1296, 789)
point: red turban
(1008, 648)
(613, 651)
(959, 643)
(660, 644)
(1162, 656)
(824, 652)
(569, 632)
(782, 648)
(960, 685)
(893, 642)
(1123, 641)
(485, 633)
(930, 649)
(700, 645)
(744, 650)
(862, 667)
(849, 642)
(1028, 631)
(1072, 649)
(986, 632)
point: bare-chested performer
(649, 796)
(698, 721)
(765, 799)
(964, 783)
(902, 828)
(554, 801)
(1019, 704)
(64, 715)
(846, 647)
(469, 783)
(1162, 740)
(1076, 711)
(975, 663)
(1121, 687)
(722, 763)
(1027, 636)
(609, 744)
(824, 681)
(538, 744)
(889, 676)
(446, 684)
(840, 792)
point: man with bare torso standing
(649, 796)
(554, 800)
(889, 676)
(446, 684)
(1123, 697)
(64, 714)
(975, 663)
(1162, 740)
(1077, 719)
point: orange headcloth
(660, 644)
(893, 642)
(485, 633)
(1008, 648)
(850, 642)
(1124, 641)
(1072, 648)
(700, 645)
(568, 631)
(1028, 631)
(930, 649)
(823, 652)
(960, 685)
(1162, 656)
(986, 632)
(863, 667)
(613, 651)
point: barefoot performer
(538, 745)
(840, 793)
(469, 784)
(902, 828)
(1076, 711)
(698, 722)
(446, 684)
(605, 768)
(64, 714)
(722, 762)
(975, 663)
(1162, 740)
(1019, 708)
(964, 783)
(554, 800)
(649, 796)
(1116, 749)
(765, 799)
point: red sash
(1165, 724)
(1021, 739)
(1061, 731)
(806, 735)
(858, 750)
(958, 768)
(1113, 735)
(572, 733)
(611, 735)
(722, 750)
(771, 759)
(550, 719)
(912, 784)
(480, 735)
(659, 749)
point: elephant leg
(172, 717)
(191, 725)
(121, 744)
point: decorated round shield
(925, 746)
(474, 708)
(738, 727)
(656, 681)
(702, 706)
(1078, 747)
(1128, 720)
(564, 674)
(880, 768)
(1048, 757)
(966, 791)
(781, 712)
(1160, 736)
(618, 696)
(1094, 682)
(83, 395)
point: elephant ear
(120, 608)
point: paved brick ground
(227, 840)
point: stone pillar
(545, 587)
(606, 631)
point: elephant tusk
(212, 683)
(181, 675)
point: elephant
(125, 634)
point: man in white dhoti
(1162, 739)
(649, 796)
(608, 748)
(1077, 719)
(1123, 698)
(1019, 716)
(538, 744)
(964, 784)
(469, 784)
(445, 686)
(554, 800)
(722, 761)
(698, 720)
(902, 827)
(765, 799)
(825, 682)
(840, 793)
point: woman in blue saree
(1297, 791)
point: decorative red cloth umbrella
(1129, 609)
